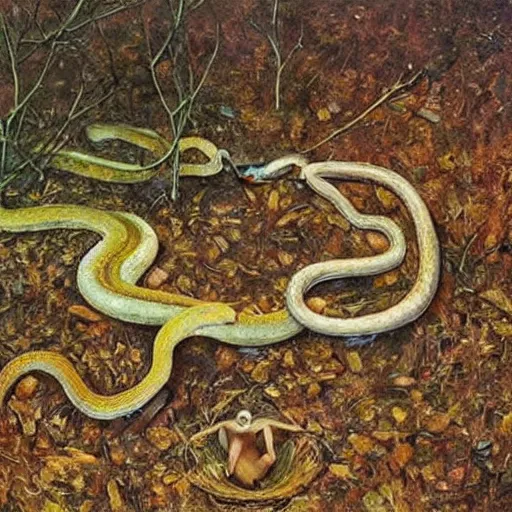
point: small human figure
(238, 437)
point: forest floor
(420, 419)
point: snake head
(253, 173)
(264, 173)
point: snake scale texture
(108, 273)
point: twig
(13, 157)
(396, 89)
(58, 32)
(158, 56)
(466, 250)
(298, 46)
(68, 30)
(273, 39)
(12, 60)
(179, 115)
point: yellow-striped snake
(108, 273)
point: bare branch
(397, 88)
(12, 60)
(273, 39)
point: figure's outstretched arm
(210, 430)
(261, 423)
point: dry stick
(20, 106)
(273, 39)
(178, 127)
(54, 144)
(397, 88)
(158, 56)
(12, 60)
(57, 33)
(191, 100)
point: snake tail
(107, 407)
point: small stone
(354, 362)
(402, 454)
(403, 381)
(156, 277)
(361, 444)
(84, 313)
(261, 372)
(341, 471)
(339, 222)
(26, 388)
(387, 435)
(399, 415)
(323, 114)
(162, 437)
(116, 500)
(289, 218)
(316, 304)
(437, 423)
(379, 243)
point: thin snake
(108, 273)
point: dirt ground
(419, 419)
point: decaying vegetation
(418, 420)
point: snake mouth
(249, 172)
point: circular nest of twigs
(298, 463)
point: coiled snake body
(108, 273)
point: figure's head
(244, 419)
